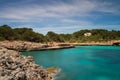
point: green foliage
(27, 34)
(65, 37)
(53, 37)
(7, 33)
(98, 35)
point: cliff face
(14, 66)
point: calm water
(82, 62)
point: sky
(61, 16)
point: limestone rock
(14, 66)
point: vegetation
(27, 34)
(54, 37)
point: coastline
(92, 44)
(14, 66)
(10, 52)
(32, 46)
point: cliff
(14, 66)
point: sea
(81, 62)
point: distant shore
(93, 44)
(32, 46)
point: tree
(66, 37)
(27, 34)
(7, 33)
(54, 37)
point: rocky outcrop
(32, 46)
(14, 66)
(22, 45)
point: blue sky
(61, 16)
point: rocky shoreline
(32, 46)
(14, 66)
(94, 44)
(109, 43)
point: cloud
(57, 10)
(73, 21)
(108, 7)
(58, 16)
(38, 11)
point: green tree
(7, 33)
(54, 37)
(28, 34)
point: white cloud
(108, 7)
(59, 13)
(81, 22)
(59, 10)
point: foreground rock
(14, 66)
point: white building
(87, 34)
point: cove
(82, 62)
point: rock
(54, 70)
(32, 46)
(14, 66)
(21, 45)
(116, 44)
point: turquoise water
(82, 62)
